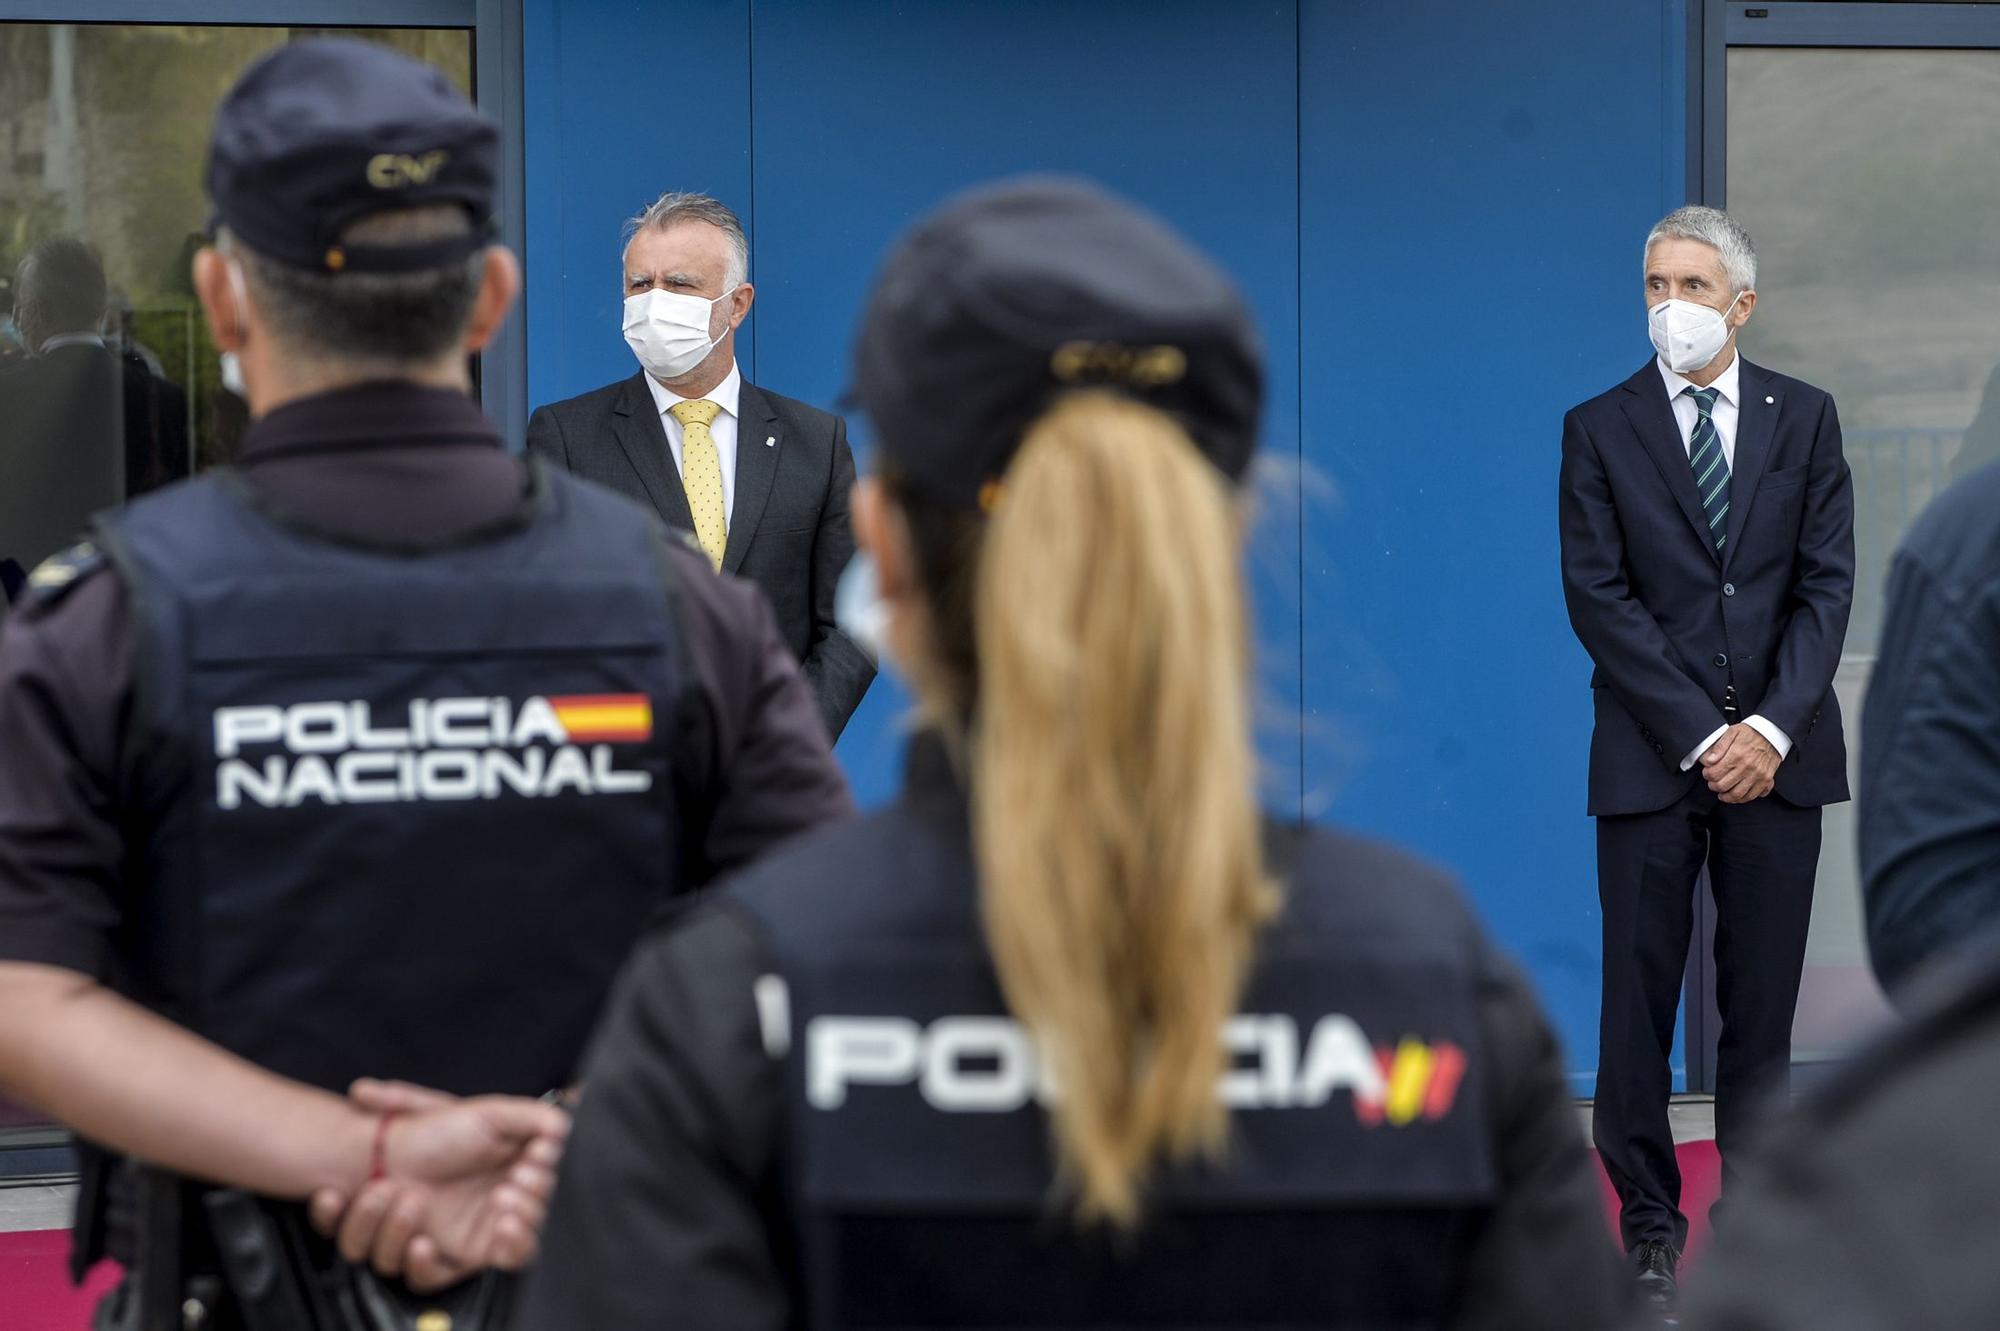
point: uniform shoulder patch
(54, 576)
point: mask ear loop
(239, 296)
(728, 328)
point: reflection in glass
(103, 128)
(1870, 180)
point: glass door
(109, 384)
(1858, 148)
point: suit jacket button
(1729, 589)
(1721, 660)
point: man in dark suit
(81, 426)
(761, 480)
(1708, 562)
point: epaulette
(54, 576)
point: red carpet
(35, 1293)
(1701, 1184)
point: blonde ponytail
(1121, 870)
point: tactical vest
(407, 807)
(918, 1170)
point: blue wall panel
(1436, 210)
(624, 99)
(868, 114)
(1477, 182)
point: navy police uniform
(372, 754)
(1929, 816)
(1872, 1203)
(810, 1114)
(810, 1106)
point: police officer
(370, 755)
(1071, 1035)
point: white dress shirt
(1723, 416)
(722, 429)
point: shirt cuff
(1695, 755)
(1779, 739)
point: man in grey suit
(761, 481)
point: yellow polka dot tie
(701, 476)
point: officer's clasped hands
(463, 1185)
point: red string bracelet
(378, 1157)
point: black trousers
(1761, 858)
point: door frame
(1891, 24)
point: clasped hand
(465, 1185)
(1741, 766)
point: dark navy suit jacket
(1670, 621)
(789, 533)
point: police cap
(1012, 294)
(322, 132)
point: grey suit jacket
(788, 531)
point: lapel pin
(1770, 401)
(772, 440)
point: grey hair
(674, 206)
(362, 318)
(1717, 229)
(59, 288)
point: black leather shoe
(1655, 1261)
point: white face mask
(668, 332)
(858, 607)
(1688, 336)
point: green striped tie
(1711, 469)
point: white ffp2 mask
(668, 331)
(1688, 336)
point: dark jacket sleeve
(1790, 1262)
(1869, 1203)
(545, 437)
(67, 673)
(1641, 667)
(665, 1213)
(757, 766)
(1823, 592)
(838, 671)
(1543, 1258)
(1929, 813)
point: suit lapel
(1756, 424)
(1652, 418)
(636, 422)
(756, 469)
